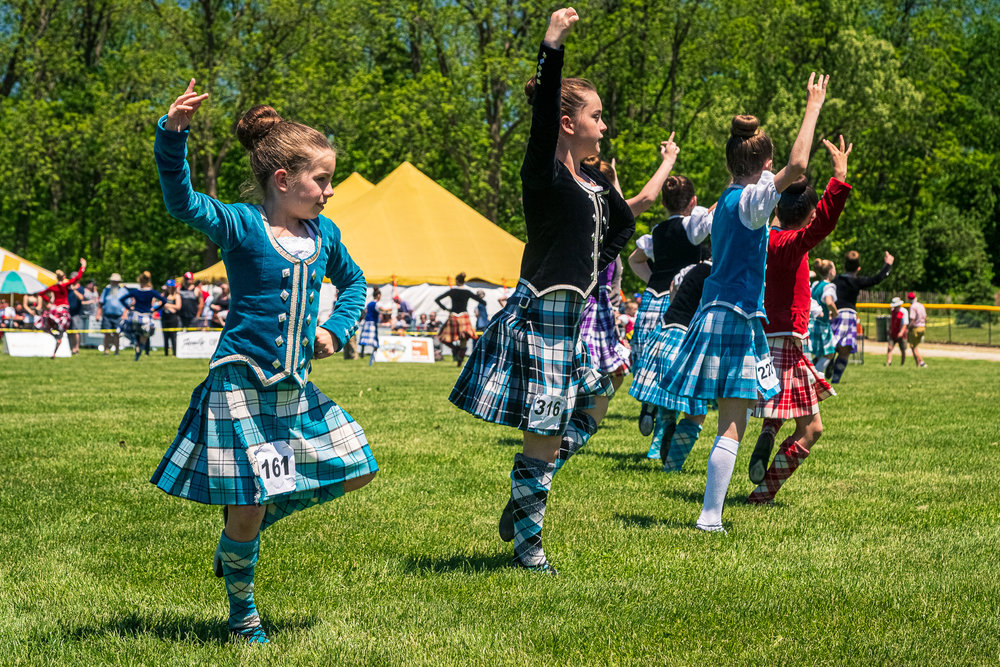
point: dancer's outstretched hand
(889, 259)
(839, 157)
(668, 149)
(560, 23)
(183, 108)
(816, 90)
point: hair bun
(744, 126)
(529, 89)
(255, 125)
(797, 187)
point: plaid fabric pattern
(458, 328)
(600, 333)
(647, 387)
(56, 318)
(844, 328)
(820, 338)
(238, 561)
(718, 357)
(789, 457)
(530, 348)
(208, 460)
(137, 324)
(369, 335)
(530, 481)
(802, 386)
(647, 322)
(685, 435)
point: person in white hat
(111, 310)
(899, 320)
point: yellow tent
(11, 262)
(413, 229)
(346, 192)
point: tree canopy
(439, 83)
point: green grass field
(882, 549)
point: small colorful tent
(11, 262)
(344, 194)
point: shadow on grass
(475, 563)
(629, 461)
(510, 442)
(646, 521)
(186, 628)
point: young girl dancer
(801, 224)
(672, 245)
(530, 370)
(258, 437)
(457, 331)
(724, 354)
(845, 325)
(824, 295)
(56, 317)
(661, 347)
(137, 320)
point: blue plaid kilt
(844, 328)
(369, 335)
(531, 348)
(662, 346)
(208, 460)
(647, 323)
(600, 333)
(137, 324)
(820, 337)
(718, 357)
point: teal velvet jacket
(274, 297)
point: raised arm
(640, 203)
(869, 281)
(798, 160)
(75, 278)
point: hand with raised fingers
(839, 157)
(83, 262)
(889, 259)
(560, 23)
(816, 94)
(668, 149)
(183, 108)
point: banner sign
(406, 349)
(197, 344)
(34, 344)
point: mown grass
(881, 550)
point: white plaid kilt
(718, 357)
(661, 350)
(531, 348)
(844, 328)
(802, 386)
(647, 323)
(229, 412)
(820, 337)
(600, 333)
(369, 335)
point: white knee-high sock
(721, 462)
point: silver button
(314, 275)
(305, 341)
(284, 295)
(286, 272)
(311, 295)
(282, 317)
(279, 341)
(309, 319)
(276, 364)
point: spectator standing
(170, 317)
(422, 322)
(482, 315)
(75, 298)
(918, 325)
(111, 310)
(192, 302)
(899, 320)
(220, 306)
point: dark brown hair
(748, 148)
(460, 278)
(677, 192)
(275, 143)
(796, 203)
(594, 162)
(573, 91)
(852, 261)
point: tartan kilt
(661, 350)
(600, 334)
(458, 328)
(820, 337)
(647, 324)
(802, 386)
(137, 324)
(56, 317)
(369, 335)
(718, 357)
(208, 461)
(844, 328)
(531, 348)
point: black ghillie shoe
(760, 457)
(647, 418)
(506, 527)
(544, 568)
(254, 635)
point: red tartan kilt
(802, 386)
(56, 317)
(457, 328)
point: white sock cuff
(726, 444)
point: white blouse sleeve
(698, 225)
(830, 290)
(645, 244)
(757, 202)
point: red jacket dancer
(56, 318)
(801, 224)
